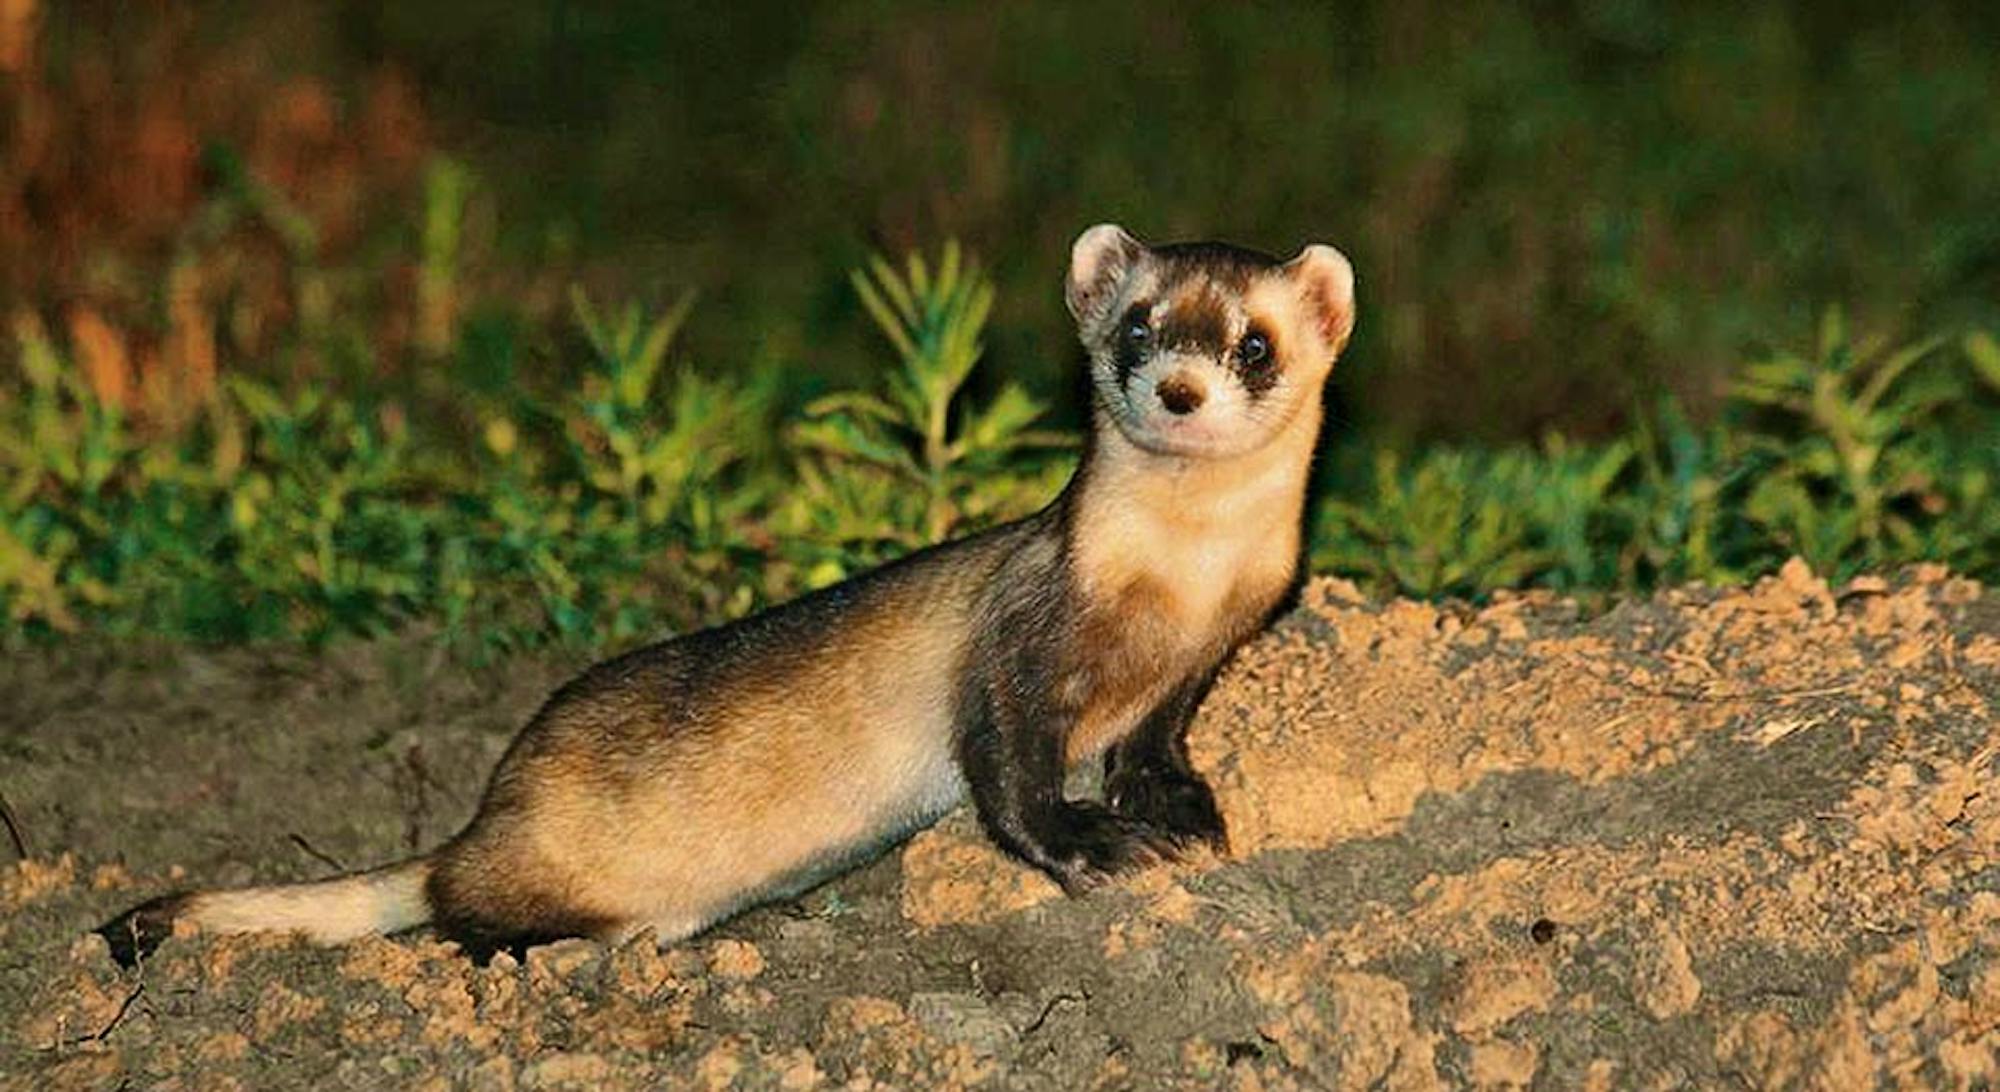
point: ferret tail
(380, 900)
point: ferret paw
(1180, 805)
(1093, 844)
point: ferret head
(1206, 349)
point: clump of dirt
(1719, 838)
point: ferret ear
(1327, 281)
(1098, 260)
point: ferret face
(1205, 349)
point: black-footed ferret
(679, 783)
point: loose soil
(1740, 838)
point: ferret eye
(1253, 349)
(1137, 330)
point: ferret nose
(1180, 394)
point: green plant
(641, 489)
(639, 493)
(896, 468)
(1449, 524)
(289, 513)
(59, 443)
(1847, 464)
(1855, 456)
(630, 443)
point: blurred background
(1557, 209)
(1564, 215)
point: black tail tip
(137, 933)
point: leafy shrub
(300, 515)
(1854, 456)
(648, 495)
(885, 472)
(645, 495)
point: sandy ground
(1719, 839)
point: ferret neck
(1258, 492)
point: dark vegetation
(318, 323)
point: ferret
(678, 784)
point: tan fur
(1180, 557)
(329, 912)
(827, 745)
(675, 785)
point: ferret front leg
(1147, 775)
(1011, 752)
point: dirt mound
(1719, 838)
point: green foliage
(1861, 411)
(893, 470)
(1581, 209)
(643, 494)
(1855, 456)
(599, 516)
